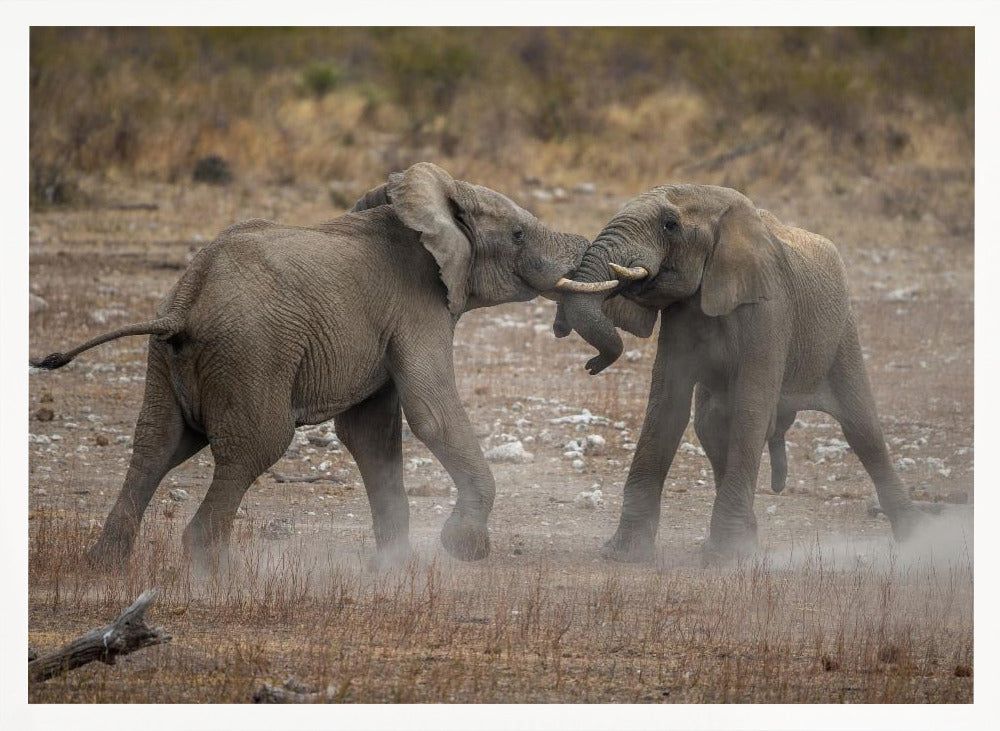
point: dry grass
(534, 630)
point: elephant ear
(377, 196)
(426, 199)
(736, 272)
(628, 316)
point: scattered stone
(39, 439)
(510, 452)
(540, 194)
(102, 316)
(41, 492)
(45, 414)
(578, 464)
(36, 304)
(584, 188)
(323, 440)
(589, 500)
(178, 495)
(905, 463)
(689, 448)
(633, 355)
(771, 509)
(560, 195)
(594, 445)
(584, 417)
(903, 294)
(102, 440)
(277, 528)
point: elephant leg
(162, 441)
(667, 414)
(711, 424)
(423, 371)
(733, 526)
(371, 431)
(854, 407)
(244, 444)
(777, 452)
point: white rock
(102, 316)
(541, 195)
(510, 452)
(633, 355)
(584, 188)
(588, 500)
(584, 417)
(178, 495)
(689, 448)
(39, 439)
(36, 304)
(595, 445)
(573, 454)
(578, 464)
(905, 463)
(771, 509)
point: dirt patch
(828, 611)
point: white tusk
(571, 285)
(630, 272)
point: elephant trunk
(583, 313)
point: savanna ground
(828, 611)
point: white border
(18, 16)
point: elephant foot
(205, 556)
(906, 523)
(629, 546)
(390, 556)
(465, 539)
(110, 553)
(721, 550)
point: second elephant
(756, 325)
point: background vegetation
(639, 105)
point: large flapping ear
(628, 316)
(424, 198)
(376, 196)
(736, 270)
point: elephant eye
(518, 234)
(670, 224)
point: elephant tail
(163, 327)
(779, 462)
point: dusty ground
(544, 619)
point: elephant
(274, 326)
(755, 324)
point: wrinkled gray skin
(756, 325)
(274, 327)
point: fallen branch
(278, 477)
(128, 633)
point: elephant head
(672, 243)
(488, 249)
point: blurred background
(744, 107)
